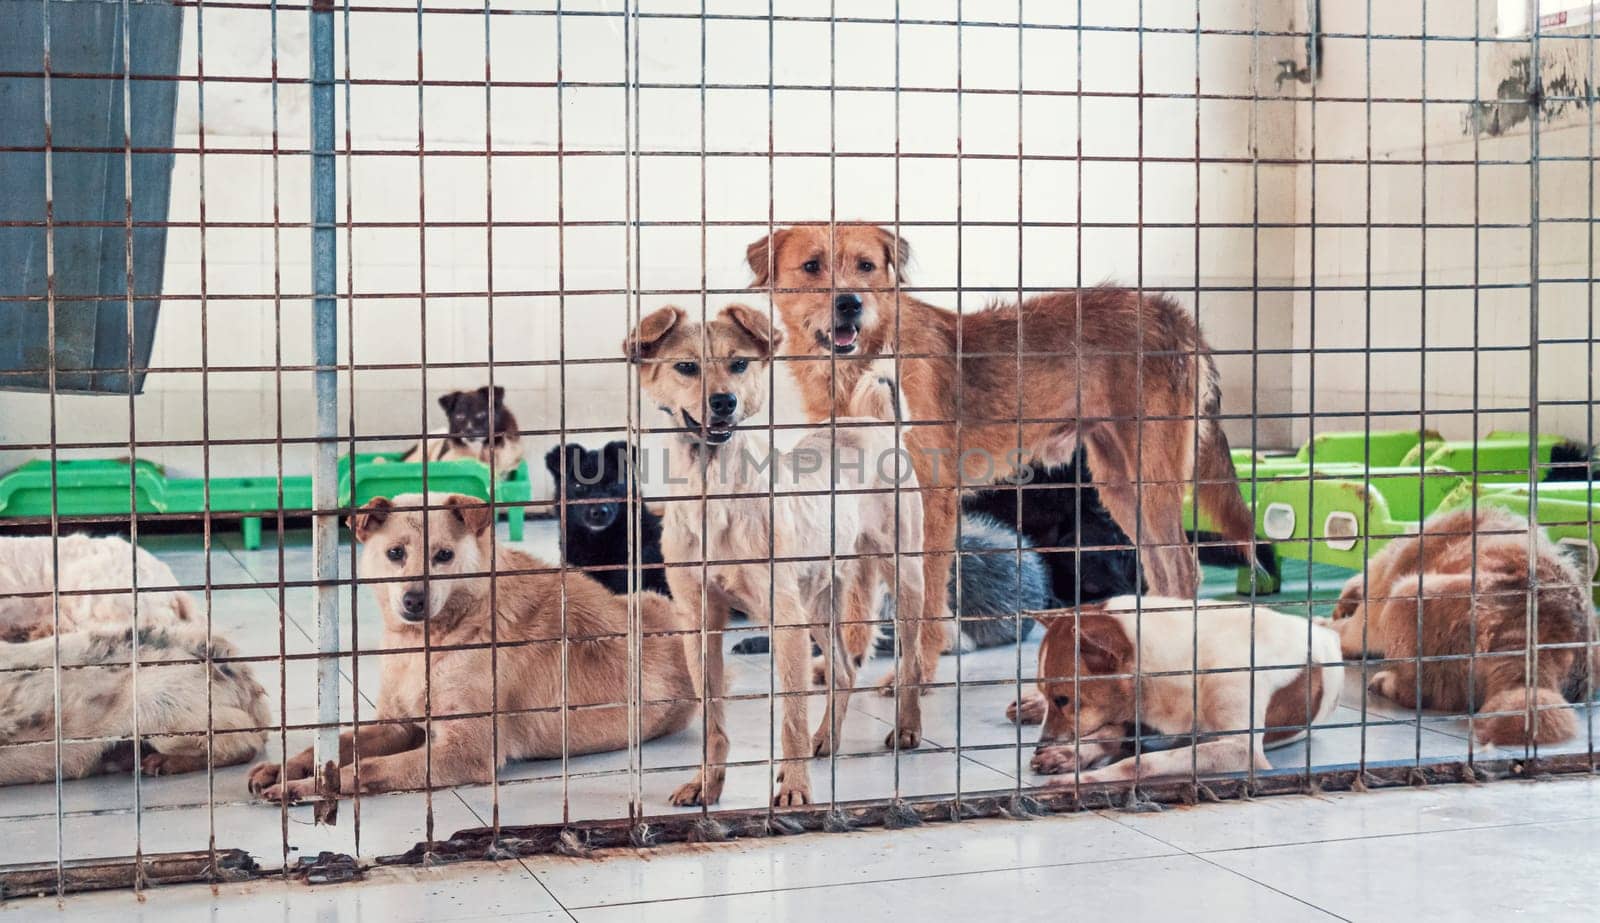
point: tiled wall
(1478, 174)
(244, 182)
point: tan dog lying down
(708, 379)
(1090, 722)
(98, 707)
(1438, 567)
(28, 564)
(454, 606)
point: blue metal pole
(325, 475)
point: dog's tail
(1217, 493)
(1516, 728)
(1571, 461)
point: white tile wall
(1496, 192)
(590, 185)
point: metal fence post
(325, 474)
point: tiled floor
(182, 813)
(1452, 853)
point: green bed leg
(252, 532)
(514, 517)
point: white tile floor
(180, 813)
(1450, 853)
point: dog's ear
(574, 454)
(448, 402)
(646, 339)
(896, 252)
(1350, 597)
(499, 396)
(552, 461)
(756, 326)
(473, 514)
(615, 457)
(370, 518)
(1102, 644)
(762, 257)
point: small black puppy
(481, 427)
(595, 487)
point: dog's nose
(414, 602)
(847, 307)
(723, 404)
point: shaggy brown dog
(442, 625)
(1128, 377)
(1470, 574)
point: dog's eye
(738, 366)
(397, 553)
(687, 368)
(866, 266)
(443, 556)
(812, 266)
(1063, 702)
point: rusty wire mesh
(1380, 216)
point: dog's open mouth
(842, 340)
(714, 433)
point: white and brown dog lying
(708, 379)
(444, 627)
(1087, 667)
(96, 578)
(1465, 581)
(99, 711)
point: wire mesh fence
(944, 409)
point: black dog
(596, 490)
(1051, 518)
(1065, 513)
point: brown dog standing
(1128, 377)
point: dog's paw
(821, 743)
(1030, 710)
(905, 739)
(792, 793)
(291, 792)
(166, 764)
(263, 776)
(698, 792)
(1384, 683)
(1051, 761)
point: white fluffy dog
(85, 564)
(176, 701)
